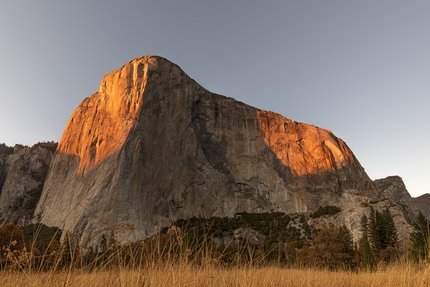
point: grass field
(169, 260)
(191, 275)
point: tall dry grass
(191, 275)
(168, 260)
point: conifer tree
(382, 234)
(374, 231)
(420, 238)
(367, 256)
(390, 236)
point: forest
(258, 239)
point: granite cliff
(152, 146)
(422, 203)
(22, 175)
(393, 187)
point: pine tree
(420, 239)
(367, 256)
(382, 234)
(390, 236)
(374, 231)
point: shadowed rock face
(393, 187)
(153, 146)
(422, 203)
(22, 174)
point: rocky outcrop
(393, 187)
(152, 146)
(422, 203)
(22, 175)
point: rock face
(22, 175)
(393, 187)
(422, 203)
(152, 146)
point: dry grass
(190, 275)
(166, 261)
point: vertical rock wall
(22, 175)
(153, 146)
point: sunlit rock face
(153, 146)
(305, 149)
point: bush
(332, 248)
(326, 210)
(42, 237)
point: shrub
(326, 210)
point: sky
(358, 68)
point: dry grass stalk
(190, 275)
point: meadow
(207, 253)
(210, 275)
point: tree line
(247, 238)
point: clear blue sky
(358, 68)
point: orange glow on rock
(100, 125)
(305, 149)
